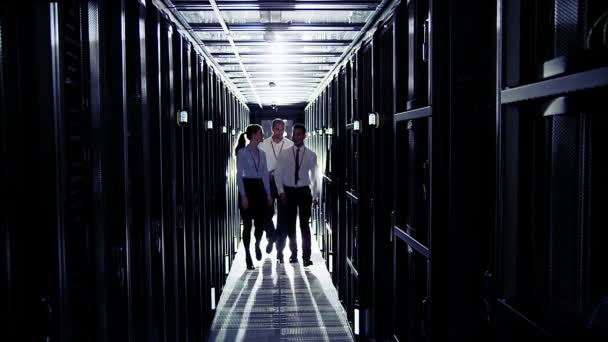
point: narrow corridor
(451, 150)
(279, 302)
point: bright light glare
(279, 54)
(356, 321)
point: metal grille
(566, 26)
(78, 153)
(564, 208)
(78, 168)
(280, 302)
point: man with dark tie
(297, 179)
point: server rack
(157, 306)
(426, 99)
(343, 223)
(551, 76)
(413, 134)
(119, 244)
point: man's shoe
(280, 260)
(307, 263)
(269, 247)
(293, 260)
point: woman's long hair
(251, 130)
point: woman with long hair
(254, 187)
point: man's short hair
(276, 121)
(299, 126)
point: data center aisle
(279, 302)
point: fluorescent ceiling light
(216, 10)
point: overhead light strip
(167, 8)
(279, 5)
(216, 10)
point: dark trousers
(299, 200)
(269, 225)
(255, 213)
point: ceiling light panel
(277, 5)
(253, 74)
(290, 92)
(275, 48)
(283, 98)
(283, 42)
(284, 88)
(293, 44)
(270, 66)
(282, 17)
(283, 85)
(285, 101)
(263, 81)
(279, 36)
(322, 17)
(296, 59)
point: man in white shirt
(273, 147)
(297, 180)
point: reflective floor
(279, 302)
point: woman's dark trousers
(255, 213)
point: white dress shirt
(273, 150)
(284, 172)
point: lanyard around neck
(273, 152)
(256, 165)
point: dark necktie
(297, 173)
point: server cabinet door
(32, 166)
(548, 280)
(381, 165)
(351, 294)
(116, 169)
(141, 125)
(169, 171)
(412, 169)
(331, 180)
(547, 255)
(155, 238)
(412, 229)
(179, 90)
(358, 205)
